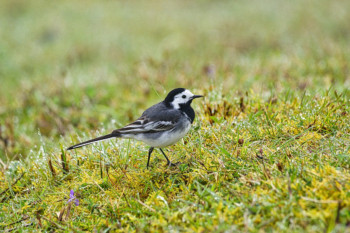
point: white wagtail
(160, 126)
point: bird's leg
(168, 161)
(149, 155)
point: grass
(269, 149)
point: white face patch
(182, 98)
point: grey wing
(143, 125)
(160, 112)
(155, 119)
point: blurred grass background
(252, 44)
(64, 63)
(70, 64)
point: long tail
(111, 135)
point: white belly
(163, 139)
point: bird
(159, 126)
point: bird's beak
(197, 96)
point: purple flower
(73, 198)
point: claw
(173, 164)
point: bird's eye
(184, 96)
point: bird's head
(180, 97)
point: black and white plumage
(159, 126)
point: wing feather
(146, 126)
(155, 119)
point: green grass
(269, 149)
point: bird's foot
(170, 164)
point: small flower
(73, 198)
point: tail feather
(111, 135)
